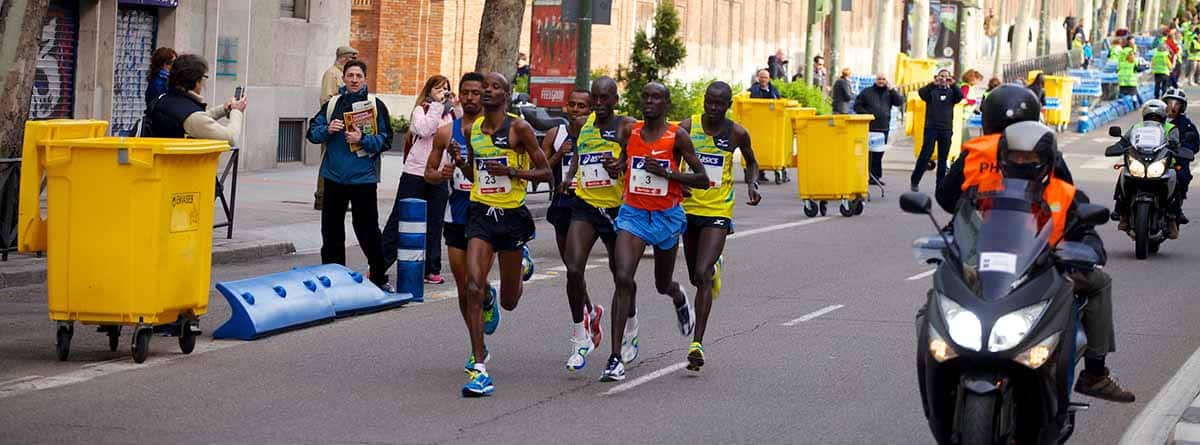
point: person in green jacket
(1161, 64)
(1192, 47)
(1126, 59)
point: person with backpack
(181, 111)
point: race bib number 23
(488, 183)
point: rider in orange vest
(1015, 145)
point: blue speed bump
(350, 292)
(271, 303)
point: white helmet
(1155, 110)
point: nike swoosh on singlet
(656, 153)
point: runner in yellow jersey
(500, 151)
(597, 202)
(710, 212)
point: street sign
(601, 11)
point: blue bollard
(410, 254)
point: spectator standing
(160, 72)
(940, 97)
(1160, 66)
(523, 69)
(991, 28)
(763, 88)
(843, 93)
(992, 84)
(878, 100)
(438, 107)
(331, 83)
(777, 65)
(1087, 54)
(351, 179)
(1038, 86)
(970, 90)
(181, 112)
(820, 74)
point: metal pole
(583, 49)
(999, 45)
(808, 41)
(835, 58)
(1043, 47)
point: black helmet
(1176, 94)
(1028, 137)
(1007, 105)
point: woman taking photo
(160, 70)
(438, 106)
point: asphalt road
(812, 341)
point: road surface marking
(1154, 423)
(643, 379)
(813, 315)
(777, 227)
(921, 275)
(94, 370)
(19, 379)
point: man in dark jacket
(843, 93)
(763, 89)
(1189, 140)
(878, 100)
(940, 96)
(777, 64)
(349, 172)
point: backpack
(144, 128)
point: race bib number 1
(489, 184)
(644, 183)
(714, 166)
(592, 172)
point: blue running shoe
(614, 372)
(526, 264)
(491, 315)
(480, 384)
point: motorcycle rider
(1005, 106)
(1189, 139)
(1153, 111)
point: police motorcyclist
(1029, 151)
(1153, 112)
(1189, 139)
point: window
(293, 9)
(291, 140)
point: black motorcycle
(999, 339)
(1147, 182)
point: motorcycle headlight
(1011, 328)
(1136, 168)
(962, 325)
(1156, 169)
(1037, 355)
(938, 347)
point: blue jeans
(942, 138)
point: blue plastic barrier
(410, 255)
(271, 303)
(350, 292)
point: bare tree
(500, 36)
(19, 53)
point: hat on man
(343, 50)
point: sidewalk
(274, 216)
(1187, 430)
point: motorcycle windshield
(999, 235)
(1146, 137)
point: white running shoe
(581, 346)
(629, 342)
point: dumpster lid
(166, 146)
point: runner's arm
(698, 178)
(525, 138)
(742, 139)
(468, 168)
(441, 141)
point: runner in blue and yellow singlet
(710, 212)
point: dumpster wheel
(823, 209)
(114, 337)
(810, 209)
(187, 337)
(141, 344)
(62, 345)
(858, 206)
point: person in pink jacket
(437, 106)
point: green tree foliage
(808, 95)
(652, 58)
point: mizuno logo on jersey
(721, 143)
(500, 140)
(608, 134)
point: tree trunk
(500, 37)
(1122, 14)
(1100, 27)
(920, 37)
(1021, 29)
(1172, 9)
(883, 33)
(18, 53)
(1043, 43)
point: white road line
(19, 379)
(813, 315)
(921, 275)
(643, 379)
(1154, 423)
(562, 268)
(35, 383)
(777, 227)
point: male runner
(559, 146)
(597, 201)
(710, 212)
(500, 152)
(451, 139)
(651, 214)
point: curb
(1187, 430)
(235, 253)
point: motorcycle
(999, 339)
(1147, 182)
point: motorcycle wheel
(979, 413)
(1141, 229)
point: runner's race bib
(644, 183)
(591, 170)
(566, 170)
(488, 183)
(460, 181)
(714, 166)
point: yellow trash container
(129, 225)
(916, 108)
(831, 161)
(1058, 101)
(769, 123)
(910, 70)
(31, 226)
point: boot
(1172, 229)
(1123, 225)
(1102, 387)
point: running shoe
(491, 312)
(614, 372)
(716, 287)
(470, 365)
(686, 315)
(629, 342)
(594, 324)
(695, 356)
(480, 384)
(434, 278)
(581, 346)
(526, 264)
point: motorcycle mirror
(1093, 214)
(1116, 149)
(916, 203)
(1077, 255)
(1114, 132)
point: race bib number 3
(489, 184)
(592, 172)
(642, 182)
(714, 167)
